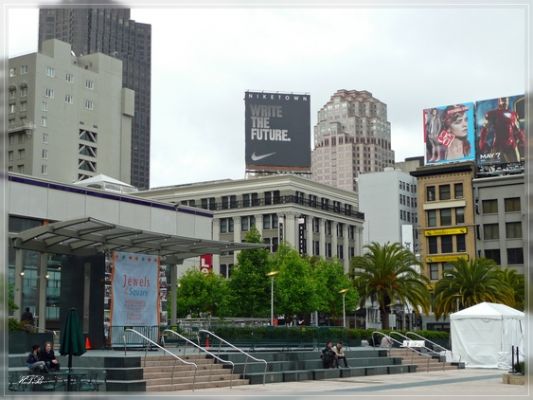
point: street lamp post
(272, 275)
(343, 292)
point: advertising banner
(449, 133)
(277, 130)
(500, 130)
(206, 263)
(135, 291)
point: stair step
(188, 379)
(198, 385)
(201, 372)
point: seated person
(339, 355)
(34, 363)
(386, 342)
(328, 356)
(49, 357)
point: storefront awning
(89, 236)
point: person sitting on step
(339, 355)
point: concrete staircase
(158, 374)
(424, 363)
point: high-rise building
(351, 137)
(112, 32)
(69, 118)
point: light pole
(272, 275)
(343, 292)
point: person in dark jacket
(328, 356)
(49, 357)
(34, 363)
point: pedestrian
(34, 362)
(49, 358)
(27, 319)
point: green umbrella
(72, 343)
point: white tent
(483, 335)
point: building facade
(69, 117)
(389, 201)
(317, 219)
(112, 32)
(500, 216)
(410, 164)
(352, 137)
(447, 228)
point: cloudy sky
(411, 58)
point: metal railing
(408, 339)
(116, 335)
(446, 351)
(166, 351)
(206, 352)
(392, 341)
(248, 355)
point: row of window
(408, 216)
(13, 71)
(407, 187)
(445, 216)
(513, 230)
(444, 192)
(407, 200)
(445, 244)
(511, 204)
(515, 256)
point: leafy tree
(249, 284)
(469, 283)
(517, 283)
(199, 292)
(386, 273)
(295, 289)
(329, 279)
(12, 306)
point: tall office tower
(69, 118)
(110, 31)
(352, 137)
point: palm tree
(469, 283)
(386, 273)
(517, 283)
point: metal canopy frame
(90, 236)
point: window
(45, 137)
(247, 223)
(512, 204)
(21, 154)
(12, 108)
(513, 230)
(434, 272)
(446, 216)
(12, 72)
(432, 245)
(324, 203)
(316, 248)
(458, 190)
(460, 215)
(270, 221)
(10, 155)
(493, 254)
(328, 250)
(12, 93)
(44, 169)
(89, 84)
(68, 98)
(23, 69)
(208, 203)
(23, 106)
(446, 244)
(444, 192)
(49, 93)
(89, 104)
(44, 154)
(461, 243)
(489, 206)
(23, 92)
(21, 138)
(44, 106)
(430, 193)
(328, 227)
(226, 225)
(50, 72)
(316, 225)
(44, 121)
(491, 232)
(69, 78)
(515, 256)
(246, 200)
(226, 270)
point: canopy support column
(43, 272)
(18, 283)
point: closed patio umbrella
(72, 343)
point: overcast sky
(411, 58)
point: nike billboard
(278, 135)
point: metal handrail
(413, 350)
(207, 352)
(166, 351)
(404, 337)
(427, 340)
(248, 355)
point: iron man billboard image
(500, 136)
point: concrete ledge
(331, 373)
(514, 379)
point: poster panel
(449, 133)
(500, 130)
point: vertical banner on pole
(135, 293)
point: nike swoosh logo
(257, 158)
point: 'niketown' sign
(277, 130)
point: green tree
(200, 293)
(469, 283)
(329, 279)
(516, 282)
(295, 289)
(249, 285)
(386, 274)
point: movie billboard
(500, 130)
(278, 134)
(449, 133)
